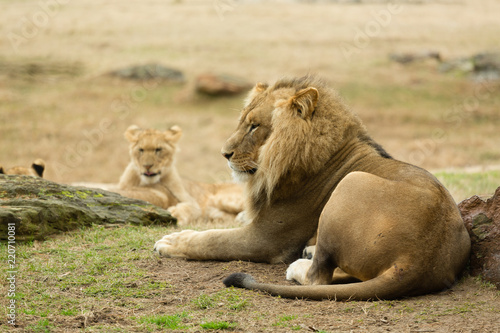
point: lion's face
(269, 119)
(152, 151)
(254, 127)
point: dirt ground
(123, 281)
(467, 307)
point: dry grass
(416, 113)
(108, 280)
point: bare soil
(109, 280)
(467, 307)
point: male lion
(152, 176)
(307, 159)
(36, 169)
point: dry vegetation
(57, 104)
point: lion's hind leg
(319, 270)
(186, 212)
(297, 271)
(226, 202)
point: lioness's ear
(304, 102)
(132, 133)
(174, 133)
(39, 166)
(259, 87)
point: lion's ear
(259, 87)
(304, 102)
(39, 166)
(1, 170)
(132, 133)
(174, 133)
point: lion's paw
(308, 252)
(172, 245)
(185, 212)
(298, 270)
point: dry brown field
(58, 103)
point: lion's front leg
(202, 245)
(245, 243)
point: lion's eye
(141, 150)
(253, 127)
(158, 150)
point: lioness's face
(152, 151)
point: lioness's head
(152, 151)
(289, 129)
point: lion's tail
(384, 286)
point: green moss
(67, 194)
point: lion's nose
(227, 155)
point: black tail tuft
(239, 280)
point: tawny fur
(36, 169)
(152, 176)
(311, 170)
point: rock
(482, 220)
(487, 66)
(462, 65)
(481, 67)
(40, 208)
(486, 61)
(405, 58)
(150, 72)
(221, 84)
(41, 69)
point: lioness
(152, 176)
(307, 159)
(36, 169)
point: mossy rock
(40, 208)
(482, 220)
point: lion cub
(152, 176)
(36, 169)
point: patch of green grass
(42, 325)
(218, 325)
(463, 185)
(94, 262)
(118, 288)
(171, 322)
(204, 302)
(69, 312)
(284, 320)
(230, 298)
(461, 309)
(484, 283)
